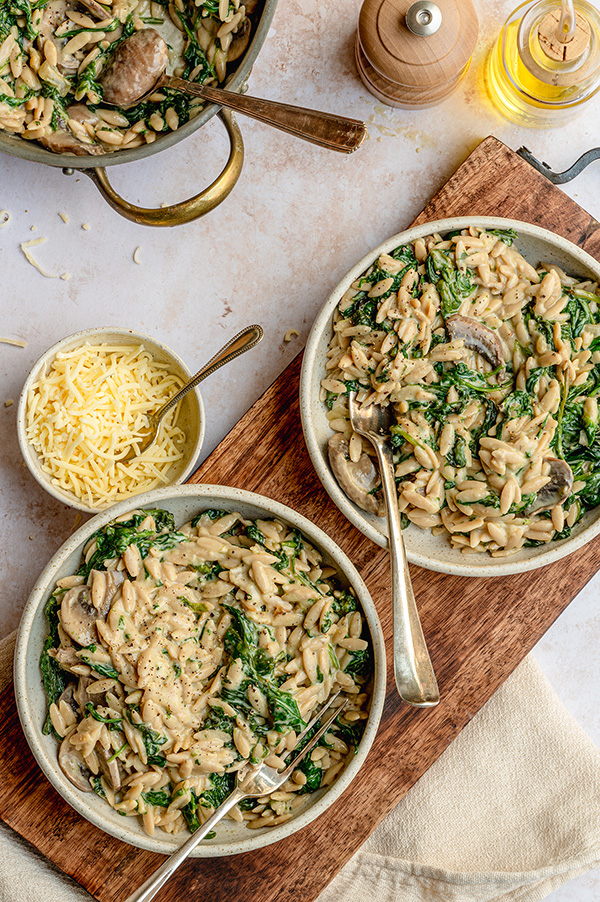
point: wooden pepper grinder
(413, 54)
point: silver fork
(252, 782)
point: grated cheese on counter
(88, 409)
(35, 242)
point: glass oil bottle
(546, 62)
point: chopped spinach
(53, 676)
(158, 797)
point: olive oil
(532, 77)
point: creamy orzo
(175, 656)
(492, 367)
(53, 54)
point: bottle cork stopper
(552, 41)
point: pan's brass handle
(187, 210)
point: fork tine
(316, 718)
(312, 743)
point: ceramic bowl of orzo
(173, 639)
(483, 335)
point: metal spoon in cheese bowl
(415, 679)
(245, 340)
(137, 70)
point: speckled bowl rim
(95, 336)
(310, 406)
(206, 496)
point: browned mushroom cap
(358, 480)
(556, 491)
(73, 766)
(240, 41)
(134, 68)
(477, 337)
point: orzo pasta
(53, 54)
(175, 656)
(492, 367)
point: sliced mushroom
(80, 694)
(64, 141)
(477, 337)
(134, 68)
(55, 13)
(66, 657)
(240, 41)
(105, 584)
(95, 9)
(68, 696)
(110, 769)
(78, 615)
(358, 480)
(555, 491)
(73, 766)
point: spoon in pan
(415, 679)
(243, 341)
(137, 70)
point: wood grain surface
(478, 630)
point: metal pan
(187, 210)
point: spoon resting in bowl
(413, 671)
(138, 68)
(245, 340)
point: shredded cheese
(136, 256)
(84, 414)
(35, 242)
(291, 334)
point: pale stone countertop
(298, 219)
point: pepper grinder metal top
(423, 18)
(414, 54)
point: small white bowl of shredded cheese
(86, 401)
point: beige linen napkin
(509, 812)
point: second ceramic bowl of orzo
(173, 639)
(482, 337)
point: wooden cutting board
(478, 630)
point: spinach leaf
(351, 385)
(456, 454)
(350, 733)
(313, 774)
(505, 235)
(360, 664)
(158, 797)
(92, 712)
(452, 286)
(222, 785)
(96, 783)
(152, 740)
(518, 404)
(53, 676)
(343, 603)
(105, 670)
(210, 514)
(284, 711)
